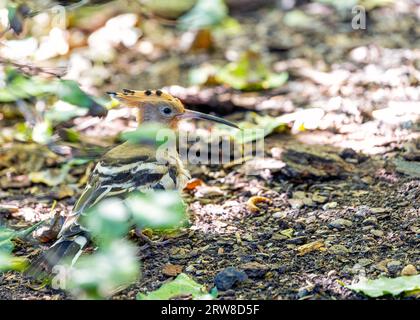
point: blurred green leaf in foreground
(158, 210)
(7, 260)
(115, 265)
(19, 86)
(109, 270)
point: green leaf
(7, 96)
(250, 73)
(201, 74)
(7, 235)
(149, 133)
(20, 86)
(269, 124)
(9, 262)
(71, 135)
(70, 92)
(340, 5)
(287, 233)
(182, 285)
(62, 111)
(158, 210)
(205, 13)
(16, 16)
(106, 272)
(21, 234)
(42, 132)
(108, 220)
(385, 286)
(299, 19)
(255, 127)
(50, 177)
(371, 4)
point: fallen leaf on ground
(384, 286)
(171, 270)
(7, 235)
(253, 201)
(193, 184)
(312, 246)
(287, 233)
(7, 209)
(50, 177)
(208, 191)
(49, 232)
(182, 285)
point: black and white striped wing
(119, 176)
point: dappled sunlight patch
(217, 218)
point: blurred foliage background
(300, 63)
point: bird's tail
(63, 252)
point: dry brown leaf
(312, 246)
(253, 201)
(49, 232)
(8, 209)
(171, 270)
(208, 191)
(193, 184)
(64, 191)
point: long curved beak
(191, 114)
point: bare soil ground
(345, 195)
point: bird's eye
(167, 110)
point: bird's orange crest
(137, 98)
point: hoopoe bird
(125, 168)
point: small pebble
(379, 210)
(330, 205)
(364, 262)
(296, 203)
(371, 221)
(228, 277)
(190, 268)
(363, 211)
(377, 233)
(409, 270)
(279, 215)
(338, 249)
(348, 153)
(340, 224)
(255, 269)
(393, 266)
(302, 293)
(298, 240)
(319, 198)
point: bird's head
(161, 107)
